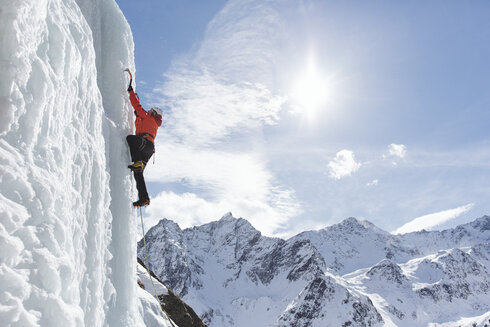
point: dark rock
(181, 313)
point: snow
(233, 276)
(67, 232)
(351, 273)
(143, 276)
(479, 321)
(151, 312)
(149, 306)
(397, 302)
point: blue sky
(298, 114)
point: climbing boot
(137, 166)
(141, 203)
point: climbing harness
(148, 270)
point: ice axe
(130, 76)
(129, 72)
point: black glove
(130, 88)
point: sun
(310, 92)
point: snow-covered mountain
(67, 232)
(349, 274)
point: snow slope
(348, 274)
(67, 232)
(149, 306)
(233, 276)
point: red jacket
(144, 123)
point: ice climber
(142, 144)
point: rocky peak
(298, 258)
(228, 237)
(482, 252)
(227, 217)
(458, 264)
(481, 224)
(322, 297)
(387, 270)
(352, 225)
(165, 226)
(466, 234)
(226, 225)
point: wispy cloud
(220, 181)
(372, 183)
(206, 109)
(344, 164)
(222, 173)
(218, 98)
(433, 220)
(225, 85)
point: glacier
(67, 231)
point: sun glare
(310, 91)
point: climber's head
(156, 111)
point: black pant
(141, 150)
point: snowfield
(67, 231)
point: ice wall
(67, 237)
(113, 43)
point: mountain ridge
(232, 275)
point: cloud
(219, 182)
(225, 85)
(433, 220)
(204, 109)
(396, 150)
(343, 165)
(243, 174)
(186, 209)
(373, 183)
(217, 99)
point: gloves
(130, 88)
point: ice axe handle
(129, 72)
(130, 88)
